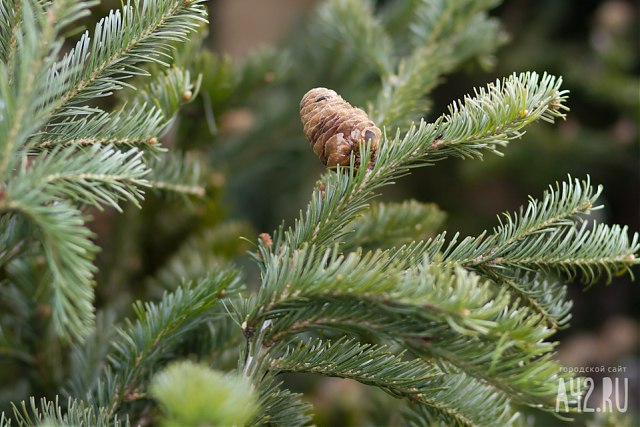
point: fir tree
(458, 330)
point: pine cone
(335, 128)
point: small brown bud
(186, 95)
(43, 311)
(323, 190)
(266, 238)
(152, 141)
(335, 129)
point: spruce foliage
(459, 330)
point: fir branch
(546, 236)
(279, 406)
(365, 363)
(69, 253)
(496, 114)
(159, 328)
(414, 380)
(558, 207)
(176, 173)
(89, 359)
(352, 23)
(478, 354)
(169, 91)
(96, 175)
(299, 266)
(341, 196)
(126, 127)
(20, 84)
(394, 224)
(76, 413)
(28, 82)
(9, 22)
(446, 313)
(444, 34)
(545, 296)
(123, 40)
(142, 121)
(592, 251)
(203, 252)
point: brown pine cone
(335, 128)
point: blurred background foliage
(245, 135)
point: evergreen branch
(28, 82)
(159, 328)
(445, 34)
(544, 296)
(94, 175)
(545, 236)
(341, 196)
(11, 239)
(69, 253)
(76, 413)
(394, 224)
(19, 84)
(149, 113)
(201, 253)
(365, 363)
(446, 313)
(435, 21)
(280, 406)
(591, 251)
(559, 207)
(303, 270)
(176, 173)
(167, 92)
(496, 114)
(414, 380)
(138, 126)
(485, 355)
(123, 40)
(488, 341)
(9, 22)
(352, 24)
(89, 359)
